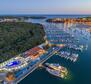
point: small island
(37, 17)
(33, 17)
(17, 37)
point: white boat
(56, 70)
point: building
(34, 52)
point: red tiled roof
(33, 51)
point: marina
(75, 45)
(45, 42)
(57, 38)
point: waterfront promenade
(35, 65)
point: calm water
(80, 71)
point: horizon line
(42, 14)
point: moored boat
(56, 70)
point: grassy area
(18, 37)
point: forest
(17, 37)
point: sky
(45, 7)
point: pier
(68, 55)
